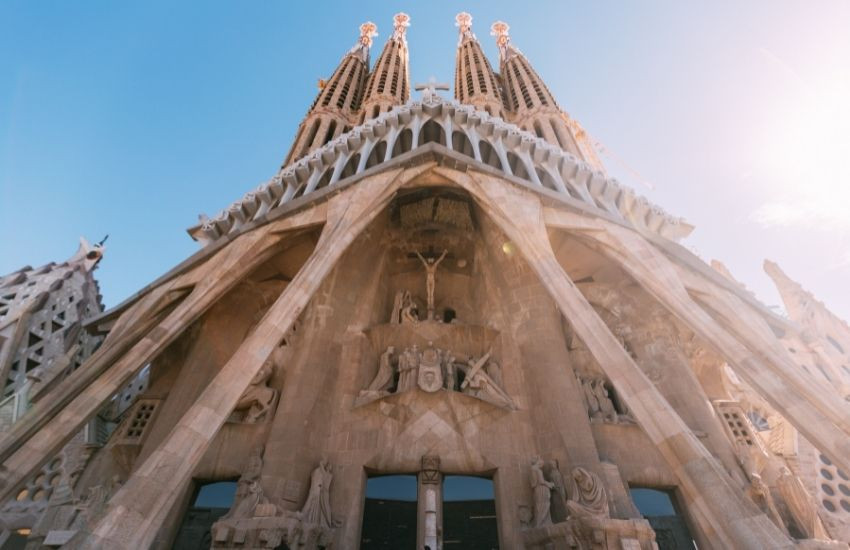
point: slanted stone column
(821, 417)
(715, 503)
(92, 385)
(136, 512)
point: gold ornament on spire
(400, 23)
(499, 29)
(368, 30)
(463, 21)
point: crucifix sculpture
(431, 263)
(429, 90)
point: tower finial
(400, 23)
(500, 29)
(463, 21)
(368, 30)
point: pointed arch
(403, 143)
(517, 166)
(432, 132)
(461, 143)
(377, 154)
(489, 155)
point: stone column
(724, 516)
(136, 512)
(429, 525)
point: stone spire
(475, 82)
(337, 104)
(532, 106)
(389, 82)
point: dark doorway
(657, 506)
(469, 514)
(211, 501)
(389, 513)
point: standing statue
(258, 398)
(431, 265)
(383, 380)
(590, 398)
(408, 376)
(398, 303)
(317, 507)
(450, 372)
(760, 495)
(803, 510)
(587, 495)
(542, 494)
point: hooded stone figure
(587, 494)
(317, 508)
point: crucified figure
(431, 278)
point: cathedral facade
(441, 324)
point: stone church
(440, 325)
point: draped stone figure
(606, 406)
(398, 304)
(409, 311)
(800, 504)
(590, 398)
(317, 508)
(248, 489)
(542, 494)
(383, 380)
(258, 398)
(587, 495)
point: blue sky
(131, 118)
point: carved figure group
(432, 369)
(254, 515)
(587, 496)
(404, 309)
(599, 402)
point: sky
(131, 118)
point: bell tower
(475, 82)
(531, 105)
(389, 83)
(337, 104)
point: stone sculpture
(383, 380)
(317, 507)
(760, 494)
(542, 494)
(430, 377)
(800, 505)
(431, 265)
(248, 489)
(587, 495)
(409, 311)
(259, 398)
(606, 406)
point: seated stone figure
(587, 495)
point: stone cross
(429, 90)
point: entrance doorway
(389, 513)
(469, 514)
(657, 506)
